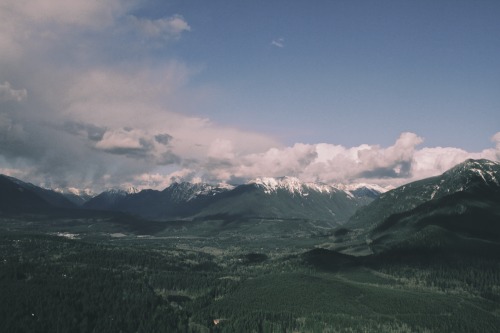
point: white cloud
(275, 162)
(76, 12)
(166, 28)
(9, 94)
(496, 139)
(395, 165)
(139, 99)
(27, 26)
(222, 149)
(121, 140)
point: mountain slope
(459, 209)
(466, 176)
(107, 200)
(14, 198)
(25, 197)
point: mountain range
(266, 198)
(457, 210)
(262, 198)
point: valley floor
(112, 280)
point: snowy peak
(74, 191)
(294, 186)
(471, 176)
(361, 190)
(485, 170)
(125, 191)
(186, 191)
(362, 186)
(291, 185)
(77, 196)
(116, 192)
(464, 176)
(130, 190)
(108, 198)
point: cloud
(34, 27)
(496, 139)
(289, 161)
(8, 94)
(278, 42)
(124, 142)
(92, 132)
(88, 14)
(397, 164)
(163, 138)
(12, 136)
(166, 28)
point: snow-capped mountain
(77, 196)
(360, 190)
(177, 200)
(185, 191)
(108, 199)
(284, 197)
(291, 184)
(295, 187)
(464, 199)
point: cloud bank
(79, 109)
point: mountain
(267, 198)
(76, 196)
(285, 198)
(26, 197)
(108, 200)
(363, 190)
(15, 198)
(176, 201)
(459, 208)
(463, 177)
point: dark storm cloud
(12, 137)
(92, 132)
(7, 93)
(164, 139)
(168, 158)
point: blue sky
(143, 93)
(350, 71)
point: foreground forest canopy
(50, 283)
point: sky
(118, 93)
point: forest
(60, 283)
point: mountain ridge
(463, 202)
(259, 198)
(460, 177)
